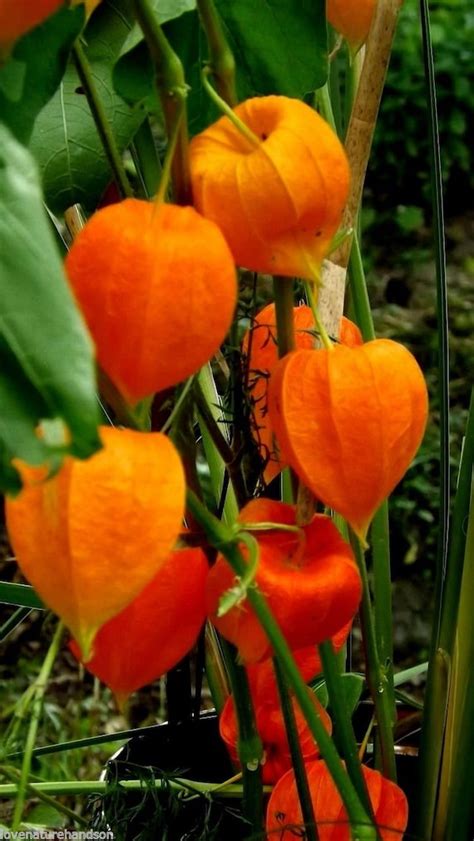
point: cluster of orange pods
(157, 287)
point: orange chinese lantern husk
(156, 629)
(280, 203)
(261, 348)
(315, 566)
(94, 535)
(271, 729)
(19, 16)
(351, 20)
(388, 801)
(147, 279)
(349, 422)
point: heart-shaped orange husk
(388, 801)
(261, 348)
(94, 535)
(272, 731)
(157, 287)
(349, 422)
(310, 581)
(278, 204)
(156, 630)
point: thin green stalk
(172, 90)
(434, 720)
(360, 296)
(222, 538)
(100, 118)
(323, 334)
(87, 787)
(377, 673)
(249, 744)
(323, 101)
(14, 774)
(221, 59)
(40, 689)
(455, 814)
(284, 305)
(245, 131)
(301, 779)
(146, 158)
(343, 723)
(13, 621)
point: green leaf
(20, 595)
(65, 141)
(276, 50)
(165, 10)
(46, 356)
(43, 815)
(34, 71)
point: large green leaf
(65, 141)
(46, 356)
(32, 74)
(278, 49)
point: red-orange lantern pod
(271, 729)
(349, 422)
(278, 200)
(260, 346)
(284, 816)
(90, 538)
(351, 19)
(309, 578)
(157, 287)
(156, 630)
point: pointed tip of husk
(85, 640)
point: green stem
(100, 118)
(222, 538)
(172, 90)
(40, 689)
(377, 675)
(222, 62)
(244, 130)
(173, 138)
(14, 774)
(13, 621)
(323, 101)
(86, 787)
(284, 305)
(360, 295)
(343, 723)
(297, 761)
(380, 545)
(249, 744)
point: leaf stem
(39, 690)
(172, 90)
(221, 59)
(244, 130)
(100, 118)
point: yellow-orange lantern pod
(352, 19)
(90, 538)
(278, 201)
(157, 287)
(19, 16)
(349, 422)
